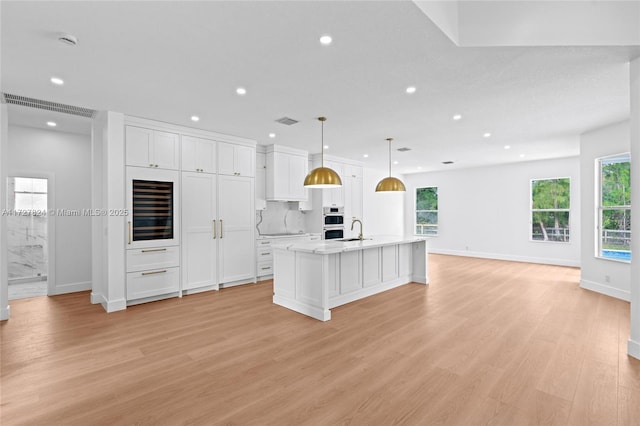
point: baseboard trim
(512, 258)
(108, 305)
(5, 313)
(607, 290)
(235, 283)
(70, 288)
(633, 349)
(200, 289)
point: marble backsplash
(280, 218)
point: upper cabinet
(286, 170)
(334, 197)
(261, 181)
(198, 154)
(152, 148)
(236, 160)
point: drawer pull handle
(215, 230)
(153, 250)
(154, 272)
(221, 235)
(264, 268)
(129, 232)
(265, 254)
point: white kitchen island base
(313, 277)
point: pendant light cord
(322, 141)
(389, 157)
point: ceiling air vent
(49, 106)
(405, 149)
(287, 121)
(447, 162)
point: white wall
(66, 159)
(382, 212)
(485, 211)
(609, 140)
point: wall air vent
(405, 149)
(286, 121)
(46, 105)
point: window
(427, 211)
(550, 203)
(614, 208)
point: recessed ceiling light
(411, 89)
(457, 117)
(487, 135)
(241, 91)
(507, 147)
(522, 155)
(51, 124)
(419, 168)
(272, 135)
(395, 162)
(58, 81)
(366, 155)
(326, 40)
(195, 118)
(326, 147)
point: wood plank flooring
(486, 343)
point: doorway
(27, 236)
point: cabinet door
(226, 158)
(244, 161)
(261, 181)
(166, 150)
(237, 238)
(198, 155)
(297, 173)
(356, 198)
(138, 146)
(199, 230)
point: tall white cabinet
(213, 220)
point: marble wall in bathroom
(280, 218)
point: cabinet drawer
(264, 268)
(264, 253)
(152, 283)
(152, 258)
(263, 243)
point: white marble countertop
(335, 246)
(283, 235)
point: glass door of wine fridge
(152, 202)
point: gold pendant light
(390, 183)
(322, 177)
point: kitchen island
(311, 277)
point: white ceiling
(170, 60)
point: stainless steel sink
(353, 239)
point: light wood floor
(487, 342)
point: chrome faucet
(360, 236)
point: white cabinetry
(261, 181)
(352, 187)
(236, 232)
(199, 230)
(152, 148)
(286, 170)
(152, 255)
(236, 160)
(198, 154)
(264, 252)
(333, 197)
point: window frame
(532, 210)
(599, 207)
(416, 211)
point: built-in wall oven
(333, 223)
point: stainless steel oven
(333, 233)
(333, 223)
